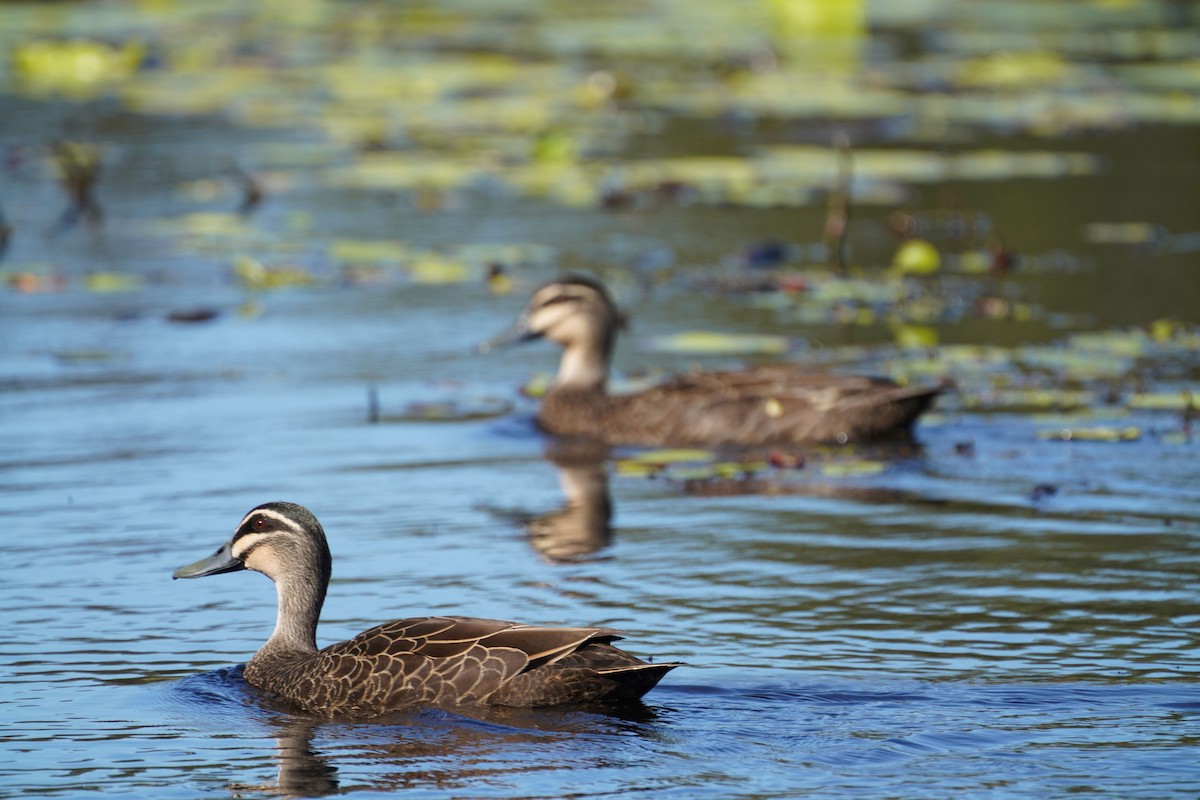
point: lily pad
(108, 282)
(1096, 434)
(253, 274)
(458, 410)
(1163, 401)
(713, 342)
(851, 468)
(672, 456)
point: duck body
(440, 660)
(759, 407)
(454, 661)
(774, 405)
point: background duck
(422, 660)
(772, 405)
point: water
(992, 613)
(943, 635)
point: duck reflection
(437, 748)
(303, 771)
(582, 526)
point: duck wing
(769, 405)
(775, 379)
(464, 661)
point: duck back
(764, 406)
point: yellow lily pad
(1162, 401)
(74, 67)
(672, 456)
(435, 268)
(211, 223)
(1015, 70)
(721, 343)
(915, 337)
(1097, 434)
(106, 282)
(1035, 399)
(252, 274)
(390, 171)
(737, 469)
(852, 469)
(368, 251)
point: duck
(419, 661)
(773, 405)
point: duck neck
(584, 367)
(296, 625)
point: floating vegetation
(252, 274)
(388, 261)
(456, 410)
(1182, 400)
(111, 282)
(813, 470)
(1093, 434)
(77, 68)
(776, 110)
(712, 342)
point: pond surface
(995, 611)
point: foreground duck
(423, 660)
(765, 406)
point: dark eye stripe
(256, 524)
(245, 528)
(269, 522)
(563, 297)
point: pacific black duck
(771, 405)
(422, 660)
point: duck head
(577, 313)
(277, 539)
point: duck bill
(219, 562)
(518, 333)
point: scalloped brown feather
(764, 406)
(456, 661)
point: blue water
(931, 630)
